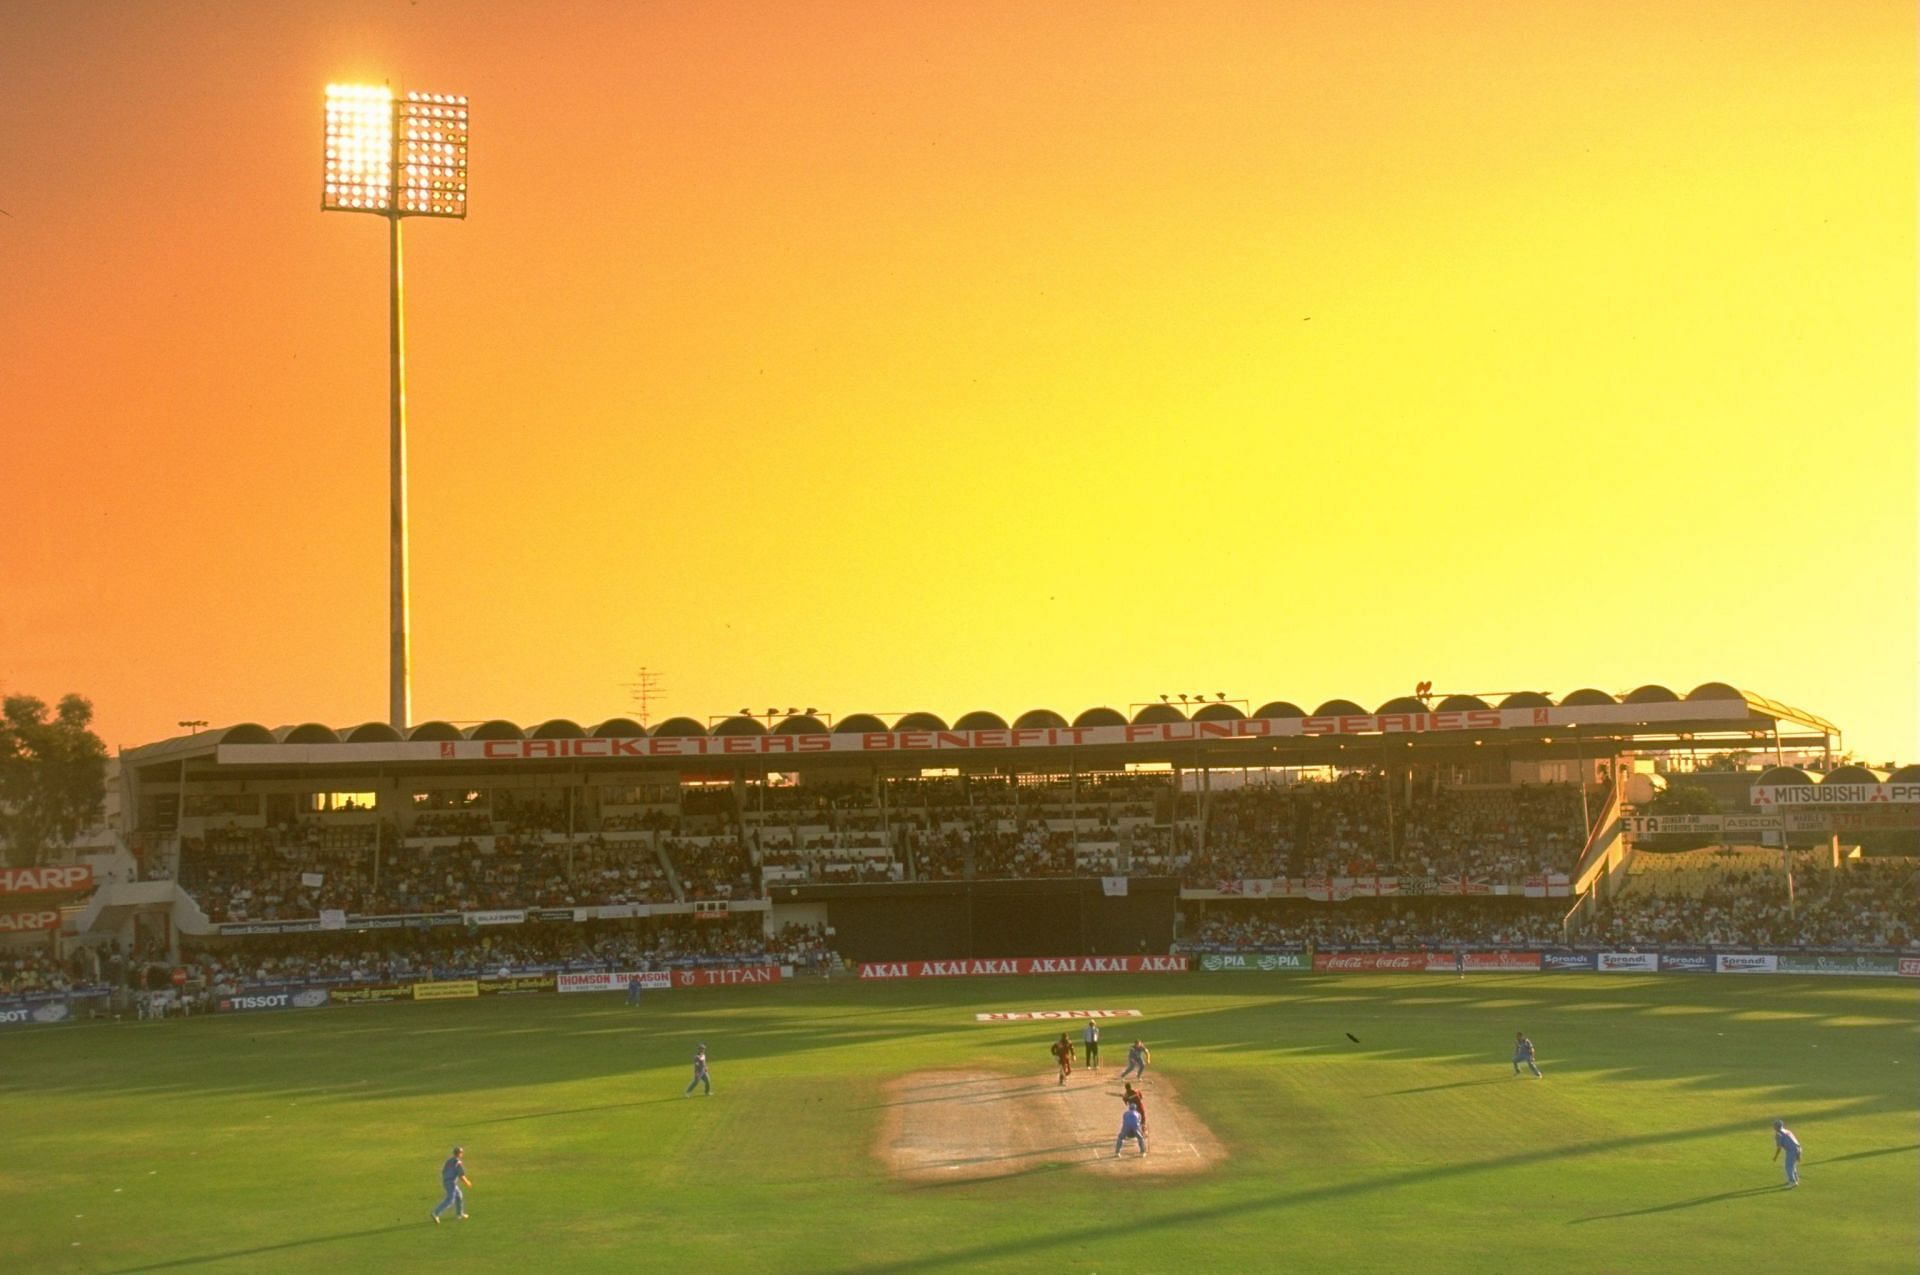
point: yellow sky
(886, 357)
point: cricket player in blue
(633, 990)
(1783, 1140)
(1523, 1053)
(453, 1176)
(1130, 1128)
(700, 1076)
(1138, 1056)
(1460, 961)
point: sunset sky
(890, 356)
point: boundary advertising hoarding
(515, 984)
(1484, 961)
(252, 999)
(601, 981)
(1746, 963)
(1628, 962)
(1373, 962)
(1862, 964)
(45, 1009)
(456, 989)
(1269, 962)
(1027, 965)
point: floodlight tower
(396, 157)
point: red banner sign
(1503, 961)
(24, 922)
(1027, 965)
(1910, 966)
(1350, 961)
(45, 880)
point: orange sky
(893, 356)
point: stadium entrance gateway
(1124, 797)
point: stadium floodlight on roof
(396, 157)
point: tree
(53, 775)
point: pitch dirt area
(946, 1126)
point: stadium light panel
(395, 156)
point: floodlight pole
(399, 657)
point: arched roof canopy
(1280, 709)
(1714, 690)
(1404, 704)
(980, 719)
(498, 728)
(1784, 775)
(558, 728)
(1586, 697)
(246, 733)
(1218, 712)
(1526, 699)
(1339, 708)
(679, 728)
(859, 724)
(619, 728)
(740, 726)
(801, 724)
(308, 733)
(1039, 718)
(1652, 693)
(1463, 703)
(1100, 717)
(920, 721)
(1158, 714)
(373, 733)
(1854, 775)
(435, 733)
(1905, 775)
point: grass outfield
(312, 1140)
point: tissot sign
(950, 741)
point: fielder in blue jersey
(1138, 1056)
(1130, 1128)
(1783, 1140)
(700, 1076)
(633, 990)
(453, 1176)
(1523, 1053)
